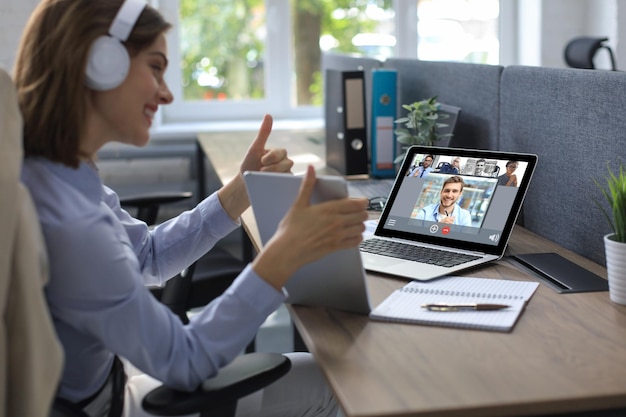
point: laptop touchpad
(371, 261)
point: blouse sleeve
(101, 294)
(175, 244)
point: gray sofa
(572, 119)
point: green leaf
(421, 123)
(615, 195)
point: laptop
(450, 219)
(338, 279)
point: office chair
(580, 52)
(216, 397)
(30, 353)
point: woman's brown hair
(50, 70)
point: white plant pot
(616, 268)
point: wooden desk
(567, 353)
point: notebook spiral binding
(454, 293)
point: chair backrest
(30, 353)
(176, 293)
(580, 52)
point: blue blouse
(101, 260)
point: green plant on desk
(420, 125)
(615, 243)
(615, 195)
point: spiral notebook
(405, 304)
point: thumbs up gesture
(258, 158)
(233, 196)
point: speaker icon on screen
(495, 237)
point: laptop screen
(461, 198)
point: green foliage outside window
(221, 52)
(222, 44)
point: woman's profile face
(126, 113)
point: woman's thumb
(306, 187)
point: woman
(101, 258)
(509, 178)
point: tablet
(335, 281)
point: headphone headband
(126, 18)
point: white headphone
(108, 61)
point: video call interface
(456, 197)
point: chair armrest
(164, 197)
(244, 375)
(148, 204)
(64, 408)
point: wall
(562, 20)
(620, 47)
(13, 17)
(554, 36)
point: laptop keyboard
(370, 188)
(415, 253)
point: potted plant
(420, 125)
(615, 242)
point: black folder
(560, 274)
(346, 124)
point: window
(222, 45)
(362, 27)
(458, 30)
(239, 59)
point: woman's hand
(233, 196)
(310, 232)
(258, 158)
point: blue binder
(383, 140)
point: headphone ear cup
(107, 64)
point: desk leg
(247, 253)
(298, 343)
(247, 250)
(200, 172)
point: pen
(457, 307)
